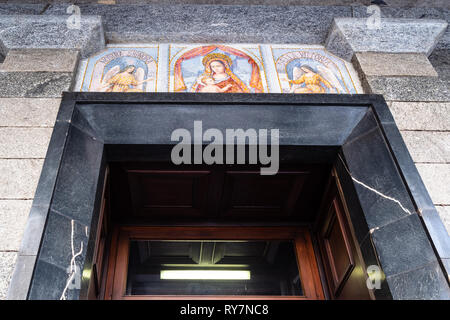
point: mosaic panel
(311, 70)
(216, 68)
(220, 68)
(121, 70)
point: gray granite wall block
(24, 112)
(350, 35)
(392, 3)
(400, 76)
(208, 23)
(48, 31)
(428, 116)
(22, 8)
(34, 84)
(393, 64)
(35, 60)
(408, 88)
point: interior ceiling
(165, 193)
(206, 253)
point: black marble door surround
(397, 226)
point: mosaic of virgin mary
(217, 74)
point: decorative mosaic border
(250, 68)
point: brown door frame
(118, 263)
(334, 210)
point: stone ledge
(50, 32)
(34, 60)
(350, 35)
(393, 64)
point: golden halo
(216, 56)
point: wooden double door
(281, 261)
(291, 234)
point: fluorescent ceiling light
(205, 274)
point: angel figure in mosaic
(127, 80)
(307, 80)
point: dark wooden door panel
(343, 265)
(161, 192)
(169, 193)
(337, 247)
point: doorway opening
(349, 143)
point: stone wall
(26, 126)
(28, 111)
(415, 86)
(420, 104)
(392, 3)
